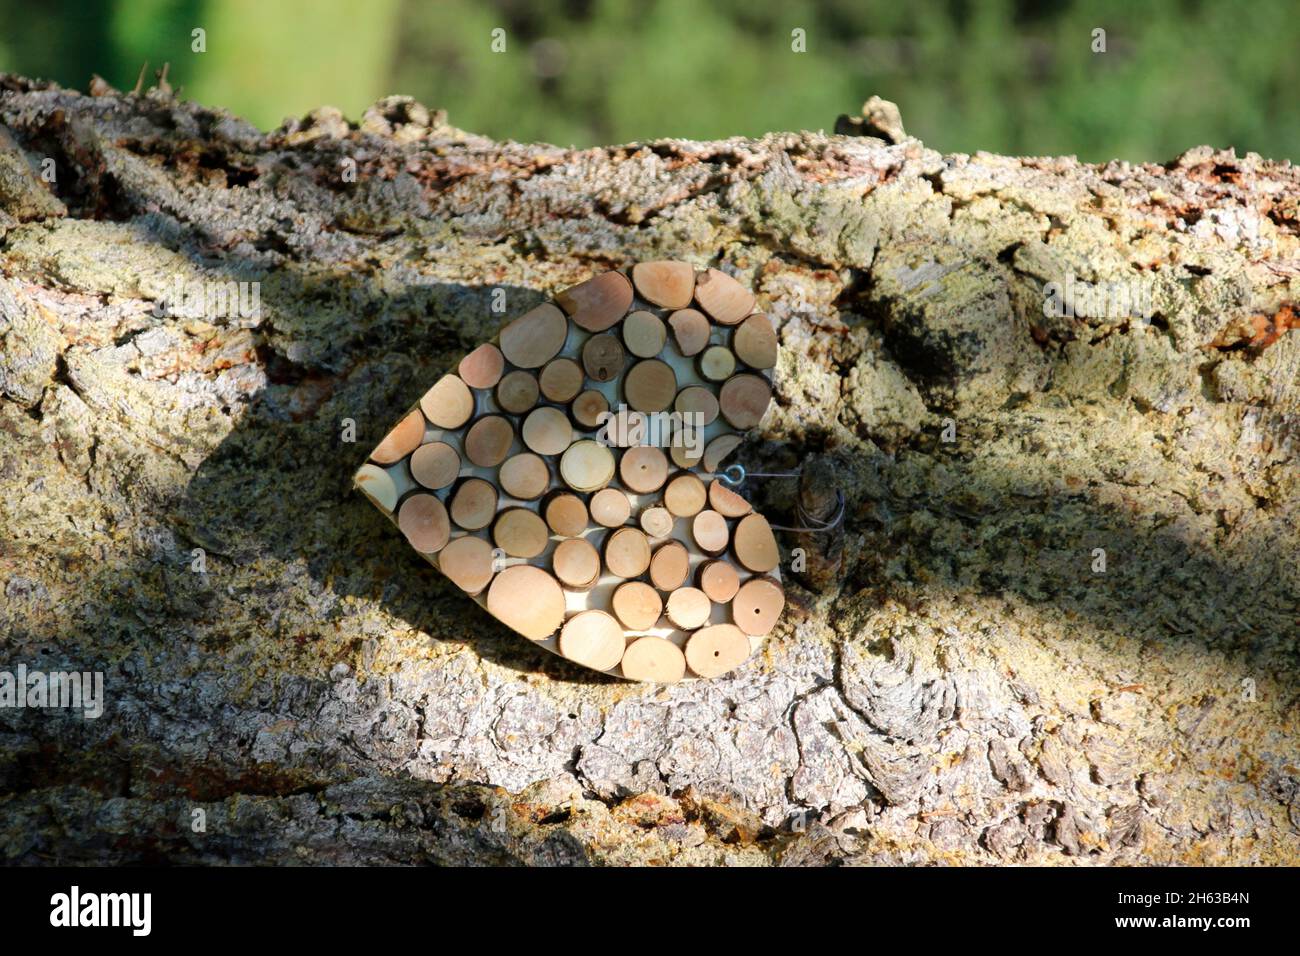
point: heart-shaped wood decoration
(565, 475)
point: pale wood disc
(520, 533)
(449, 404)
(667, 284)
(576, 563)
(657, 522)
(723, 297)
(755, 545)
(643, 469)
(467, 562)
(610, 507)
(528, 600)
(589, 407)
(435, 465)
(603, 357)
(627, 553)
(474, 504)
(536, 337)
(716, 363)
(423, 519)
(690, 331)
(524, 476)
(713, 651)
(718, 579)
(547, 431)
(688, 608)
(637, 605)
(697, 400)
(594, 639)
(757, 605)
(669, 565)
(709, 529)
(598, 303)
(401, 441)
(726, 502)
(754, 342)
(686, 455)
(482, 368)
(517, 392)
(566, 514)
(488, 441)
(650, 386)
(587, 465)
(561, 380)
(655, 660)
(716, 452)
(644, 334)
(685, 495)
(378, 486)
(744, 400)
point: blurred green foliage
(1012, 77)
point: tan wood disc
(423, 519)
(716, 452)
(474, 504)
(627, 553)
(547, 431)
(536, 337)
(644, 334)
(725, 299)
(467, 561)
(655, 660)
(566, 514)
(716, 363)
(488, 441)
(449, 404)
(744, 400)
(524, 476)
(755, 545)
(667, 284)
(435, 465)
(643, 469)
(686, 454)
(587, 465)
(650, 386)
(561, 380)
(378, 486)
(685, 495)
(528, 600)
(669, 565)
(637, 605)
(517, 392)
(576, 563)
(657, 522)
(688, 608)
(598, 303)
(754, 342)
(691, 331)
(482, 368)
(709, 529)
(589, 407)
(718, 579)
(697, 400)
(520, 533)
(713, 651)
(401, 441)
(726, 502)
(757, 605)
(610, 507)
(603, 357)
(593, 639)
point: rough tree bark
(964, 687)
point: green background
(1011, 77)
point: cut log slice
(709, 529)
(654, 660)
(725, 299)
(598, 303)
(685, 495)
(657, 522)
(667, 284)
(378, 486)
(669, 566)
(610, 507)
(754, 342)
(686, 454)
(482, 368)
(726, 502)
(528, 600)
(488, 441)
(561, 380)
(719, 580)
(691, 331)
(587, 465)
(637, 605)
(467, 561)
(688, 608)
(696, 400)
(593, 639)
(435, 465)
(474, 504)
(717, 451)
(566, 514)
(755, 545)
(603, 357)
(713, 651)
(520, 533)
(547, 431)
(644, 334)
(589, 408)
(650, 386)
(517, 392)
(716, 363)
(757, 606)
(627, 553)
(536, 337)
(423, 519)
(576, 564)
(525, 476)
(744, 400)
(401, 441)
(449, 404)
(643, 469)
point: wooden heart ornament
(565, 475)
